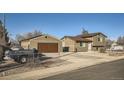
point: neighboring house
(116, 47)
(84, 42)
(43, 43)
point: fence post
(33, 58)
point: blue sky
(60, 25)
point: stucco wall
(45, 39)
(25, 44)
(67, 42)
(98, 43)
(94, 48)
(97, 48)
(89, 38)
(81, 48)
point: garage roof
(39, 36)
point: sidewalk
(74, 63)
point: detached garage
(43, 43)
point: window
(99, 39)
(45, 36)
(82, 44)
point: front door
(89, 46)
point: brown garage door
(48, 47)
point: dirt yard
(10, 67)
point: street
(105, 71)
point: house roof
(30, 38)
(39, 36)
(82, 37)
(78, 39)
(91, 34)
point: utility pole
(4, 21)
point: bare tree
(7, 39)
(14, 42)
(120, 40)
(84, 31)
(35, 33)
(4, 40)
(19, 37)
(123, 40)
(109, 43)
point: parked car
(22, 55)
(117, 48)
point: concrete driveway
(87, 56)
(55, 55)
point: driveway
(87, 57)
(55, 55)
(81, 56)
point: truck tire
(23, 59)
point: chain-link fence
(115, 52)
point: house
(84, 42)
(43, 43)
